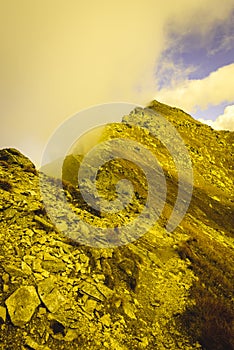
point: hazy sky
(58, 57)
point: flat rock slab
(22, 304)
(34, 345)
(92, 291)
(50, 295)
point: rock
(102, 253)
(129, 309)
(90, 305)
(92, 291)
(34, 345)
(54, 266)
(25, 268)
(50, 295)
(84, 259)
(107, 292)
(13, 270)
(37, 265)
(71, 335)
(10, 213)
(5, 288)
(5, 278)
(144, 342)
(2, 314)
(22, 304)
(41, 312)
(44, 223)
(106, 320)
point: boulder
(22, 304)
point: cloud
(189, 94)
(194, 52)
(224, 121)
(59, 57)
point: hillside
(161, 290)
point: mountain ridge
(165, 290)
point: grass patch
(211, 320)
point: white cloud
(189, 94)
(59, 57)
(224, 121)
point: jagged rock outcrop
(166, 290)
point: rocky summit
(163, 290)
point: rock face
(166, 290)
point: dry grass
(211, 319)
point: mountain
(164, 289)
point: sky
(58, 57)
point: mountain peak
(13, 156)
(164, 290)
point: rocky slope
(166, 290)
